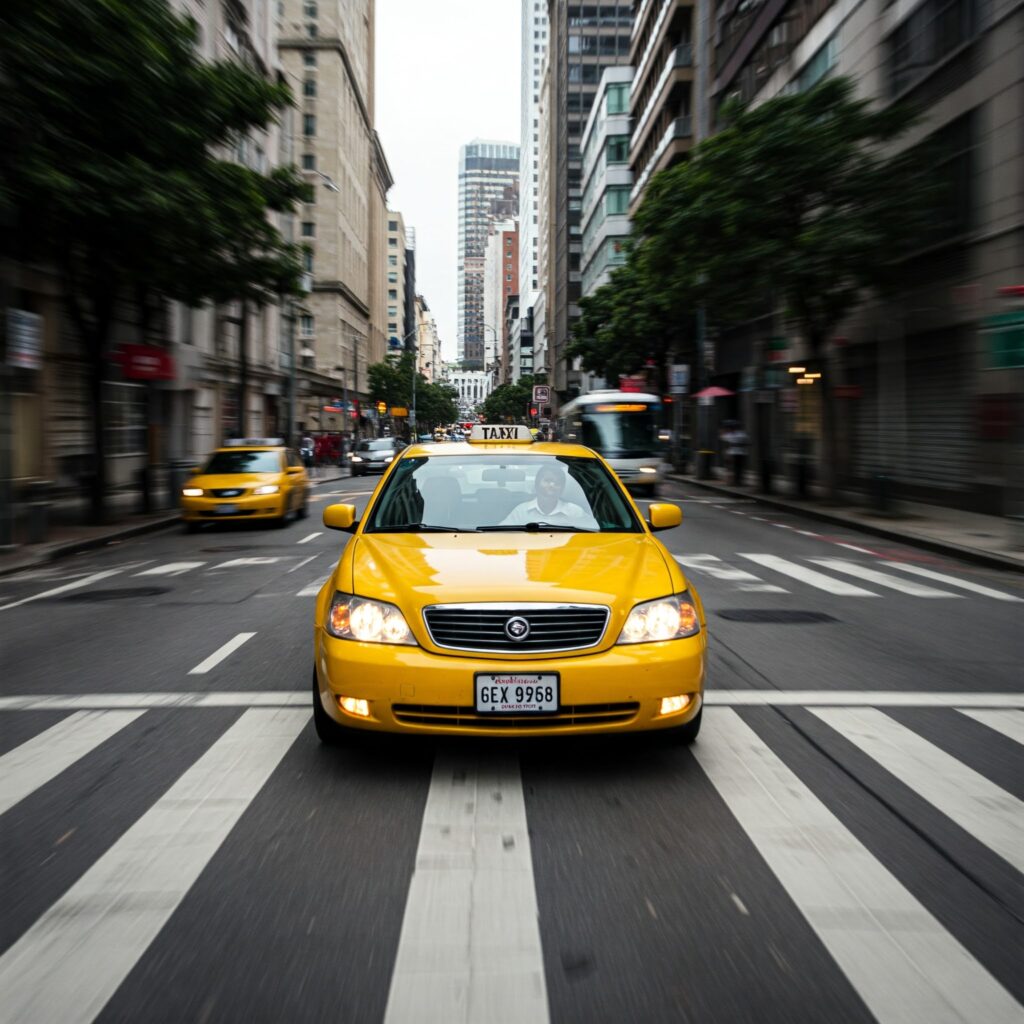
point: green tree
(112, 136)
(796, 206)
(509, 403)
(390, 381)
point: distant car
(251, 479)
(503, 587)
(375, 455)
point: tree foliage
(113, 137)
(509, 403)
(391, 382)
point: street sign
(541, 394)
(399, 410)
(679, 379)
(24, 339)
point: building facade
(584, 38)
(428, 346)
(472, 387)
(398, 281)
(501, 279)
(488, 191)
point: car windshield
(513, 493)
(624, 435)
(241, 461)
(378, 444)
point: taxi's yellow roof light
(354, 706)
(673, 705)
(340, 517)
(491, 433)
(663, 516)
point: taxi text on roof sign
(498, 432)
(254, 442)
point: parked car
(375, 455)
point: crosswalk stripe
(902, 962)
(952, 581)
(810, 576)
(74, 585)
(311, 589)
(470, 944)
(714, 567)
(980, 807)
(42, 758)
(1009, 723)
(883, 579)
(72, 960)
(220, 654)
(170, 569)
(257, 560)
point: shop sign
(24, 339)
(399, 410)
(146, 362)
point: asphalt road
(843, 843)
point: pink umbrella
(713, 392)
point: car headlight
(267, 489)
(355, 458)
(358, 618)
(648, 469)
(192, 492)
(667, 618)
(389, 458)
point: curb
(986, 558)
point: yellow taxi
(248, 479)
(506, 587)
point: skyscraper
(488, 191)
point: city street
(843, 842)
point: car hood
(216, 481)
(414, 570)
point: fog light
(673, 705)
(355, 706)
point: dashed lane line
(220, 654)
(312, 536)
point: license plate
(226, 510)
(517, 694)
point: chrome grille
(481, 627)
(567, 716)
(227, 492)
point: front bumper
(248, 506)
(413, 690)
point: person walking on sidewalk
(735, 439)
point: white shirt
(564, 512)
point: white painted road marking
(853, 547)
(72, 960)
(305, 561)
(220, 654)
(312, 536)
(993, 816)
(470, 945)
(171, 569)
(976, 588)
(882, 579)
(94, 578)
(1009, 723)
(714, 567)
(901, 961)
(261, 560)
(716, 698)
(42, 758)
(311, 589)
(810, 576)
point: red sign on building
(146, 362)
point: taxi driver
(547, 506)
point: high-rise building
(397, 282)
(488, 191)
(534, 44)
(584, 38)
(328, 55)
(501, 279)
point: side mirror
(663, 516)
(340, 517)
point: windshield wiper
(420, 528)
(536, 528)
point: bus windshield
(620, 435)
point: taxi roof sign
(505, 433)
(254, 442)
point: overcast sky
(447, 73)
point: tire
(190, 527)
(327, 729)
(303, 510)
(684, 735)
(281, 521)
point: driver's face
(549, 485)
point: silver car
(375, 455)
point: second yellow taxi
(502, 586)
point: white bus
(622, 427)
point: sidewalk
(66, 535)
(986, 540)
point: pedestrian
(306, 452)
(735, 439)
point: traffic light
(382, 407)
(533, 410)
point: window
(617, 199)
(309, 124)
(392, 311)
(124, 407)
(393, 294)
(618, 149)
(392, 243)
(308, 229)
(305, 326)
(392, 278)
(392, 328)
(308, 162)
(311, 31)
(934, 29)
(307, 260)
(309, 87)
(309, 58)
(392, 261)
(392, 225)
(618, 98)
(309, 10)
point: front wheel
(684, 735)
(327, 729)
